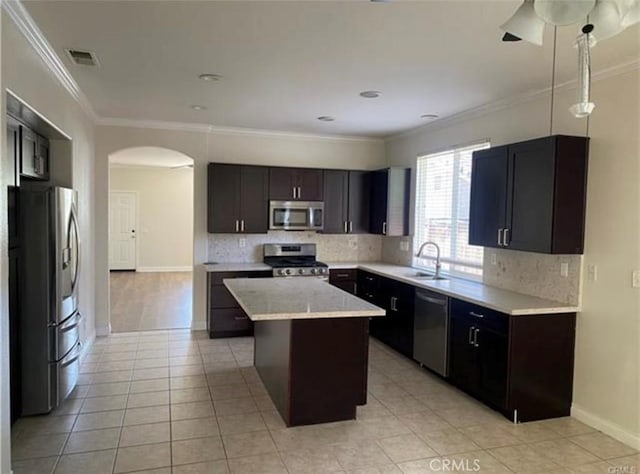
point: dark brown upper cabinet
(237, 199)
(346, 201)
(295, 184)
(13, 150)
(34, 155)
(390, 191)
(530, 196)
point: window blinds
(442, 210)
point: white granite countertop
(505, 301)
(265, 299)
(235, 267)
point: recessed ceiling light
(429, 116)
(210, 77)
(198, 107)
(370, 94)
(326, 118)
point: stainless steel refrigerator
(49, 316)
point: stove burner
(294, 260)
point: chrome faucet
(438, 266)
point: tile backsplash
(523, 272)
(534, 274)
(330, 248)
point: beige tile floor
(150, 301)
(176, 402)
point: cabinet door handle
(471, 329)
(242, 225)
(350, 226)
(293, 192)
(384, 228)
(240, 318)
(299, 191)
(475, 337)
(477, 315)
(345, 227)
(343, 275)
(237, 226)
(500, 237)
(505, 237)
(393, 303)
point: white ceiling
(285, 63)
(150, 156)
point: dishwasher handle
(430, 299)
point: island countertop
(267, 299)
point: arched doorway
(150, 239)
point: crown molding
(213, 129)
(505, 103)
(30, 30)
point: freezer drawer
(65, 336)
(431, 326)
(64, 375)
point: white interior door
(122, 230)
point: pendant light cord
(553, 78)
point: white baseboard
(164, 269)
(86, 345)
(198, 325)
(103, 329)
(612, 429)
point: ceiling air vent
(83, 58)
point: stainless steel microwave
(296, 215)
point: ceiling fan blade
(509, 38)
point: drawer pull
(240, 318)
(477, 315)
(343, 275)
(471, 329)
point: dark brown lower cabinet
(520, 365)
(346, 280)
(225, 316)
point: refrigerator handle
(76, 246)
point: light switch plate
(242, 242)
(494, 259)
(636, 279)
(564, 270)
(404, 246)
(592, 272)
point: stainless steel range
(289, 260)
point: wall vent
(82, 58)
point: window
(442, 211)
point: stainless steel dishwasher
(431, 326)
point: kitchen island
(311, 345)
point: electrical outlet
(404, 246)
(242, 242)
(636, 279)
(353, 243)
(592, 272)
(564, 270)
(494, 259)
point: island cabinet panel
(530, 196)
(237, 199)
(346, 280)
(310, 380)
(295, 184)
(520, 365)
(225, 316)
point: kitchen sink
(425, 276)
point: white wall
(204, 147)
(607, 367)
(165, 214)
(24, 73)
